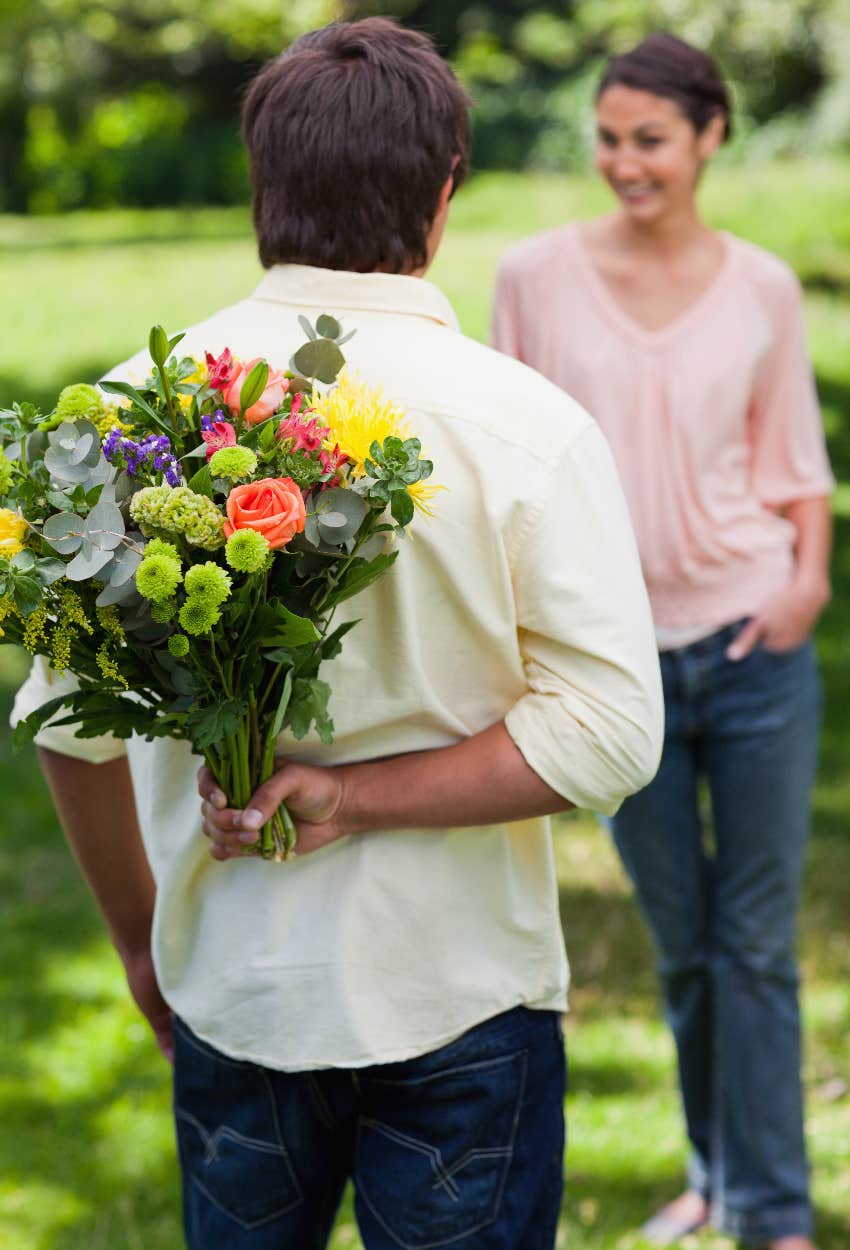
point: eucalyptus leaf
(64, 532)
(328, 326)
(307, 327)
(320, 359)
(86, 563)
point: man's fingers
(746, 640)
(265, 801)
(209, 789)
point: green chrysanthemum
(246, 551)
(233, 462)
(159, 547)
(197, 616)
(157, 577)
(79, 402)
(207, 582)
(5, 474)
(164, 612)
(178, 645)
(180, 510)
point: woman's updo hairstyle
(666, 66)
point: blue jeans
(723, 917)
(462, 1147)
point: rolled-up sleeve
(591, 724)
(41, 686)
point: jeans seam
(237, 1219)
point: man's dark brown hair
(352, 133)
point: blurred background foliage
(135, 102)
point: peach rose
(274, 507)
(271, 399)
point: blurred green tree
(136, 101)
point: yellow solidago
(358, 414)
(109, 420)
(35, 629)
(110, 623)
(108, 667)
(12, 530)
(7, 608)
(71, 619)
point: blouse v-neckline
(624, 320)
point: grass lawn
(86, 1150)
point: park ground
(87, 1157)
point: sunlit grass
(86, 1144)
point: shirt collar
(338, 290)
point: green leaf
(26, 594)
(328, 327)
(26, 729)
(283, 704)
(282, 628)
(320, 359)
(201, 482)
(362, 574)
(402, 507)
(332, 645)
(306, 326)
(254, 385)
(309, 705)
(124, 388)
(172, 343)
(209, 725)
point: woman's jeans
(723, 916)
(462, 1147)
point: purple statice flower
(149, 455)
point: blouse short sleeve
(789, 457)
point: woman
(687, 346)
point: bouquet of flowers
(181, 548)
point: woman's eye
(649, 141)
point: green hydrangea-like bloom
(164, 611)
(180, 510)
(246, 551)
(197, 616)
(178, 645)
(157, 577)
(5, 474)
(159, 547)
(233, 462)
(207, 582)
(79, 401)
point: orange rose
(274, 507)
(277, 384)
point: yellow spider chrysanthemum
(357, 415)
(12, 530)
(422, 494)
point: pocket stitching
(507, 1154)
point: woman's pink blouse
(713, 420)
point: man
(387, 1006)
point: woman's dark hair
(352, 133)
(666, 66)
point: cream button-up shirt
(520, 600)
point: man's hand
(141, 979)
(313, 796)
(784, 622)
